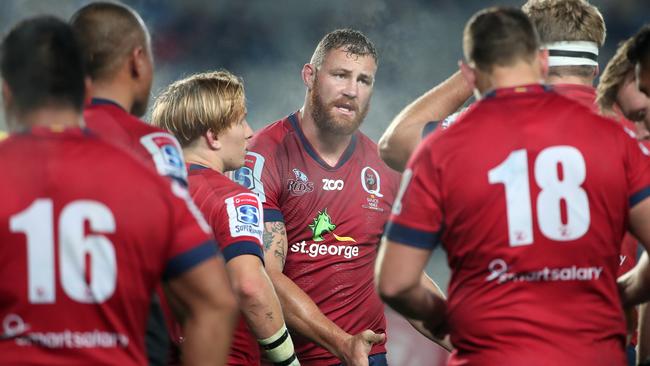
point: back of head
(499, 37)
(572, 30)
(618, 68)
(42, 66)
(107, 33)
(190, 107)
(639, 51)
(353, 41)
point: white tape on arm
(278, 348)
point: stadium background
(267, 42)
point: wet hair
(352, 41)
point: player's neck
(508, 77)
(329, 147)
(55, 117)
(569, 79)
(203, 157)
(115, 91)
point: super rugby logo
(322, 225)
(250, 175)
(300, 185)
(244, 215)
(166, 154)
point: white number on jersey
(513, 174)
(37, 223)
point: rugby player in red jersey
(207, 113)
(326, 196)
(118, 59)
(530, 194)
(85, 228)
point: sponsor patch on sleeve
(166, 154)
(250, 175)
(245, 215)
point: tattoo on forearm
(267, 237)
(274, 237)
(280, 253)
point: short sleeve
(416, 218)
(260, 175)
(191, 241)
(238, 225)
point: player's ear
(543, 62)
(7, 97)
(308, 74)
(88, 86)
(468, 74)
(212, 140)
(138, 61)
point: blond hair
(203, 102)
(618, 68)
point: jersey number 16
(557, 190)
(76, 249)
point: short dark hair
(499, 36)
(42, 64)
(352, 40)
(640, 48)
(107, 33)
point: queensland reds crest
(370, 181)
(301, 184)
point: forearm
(418, 303)
(405, 131)
(261, 309)
(643, 348)
(429, 284)
(635, 284)
(216, 327)
(303, 315)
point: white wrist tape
(278, 348)
(572, 53)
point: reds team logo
(301, 184)
(370, 181)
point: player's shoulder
(370, 154)
(272, 134)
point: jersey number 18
(557, 190)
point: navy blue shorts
(378, 359)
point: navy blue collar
(347, 154)
(194, 166)
(102, 101)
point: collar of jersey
(55, 130)
(194, 166)
(517, 90)
(102, 101)
(347, 154)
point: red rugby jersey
(86, 238)
(334, 216)
(529, 194)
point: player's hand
(358, 346)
